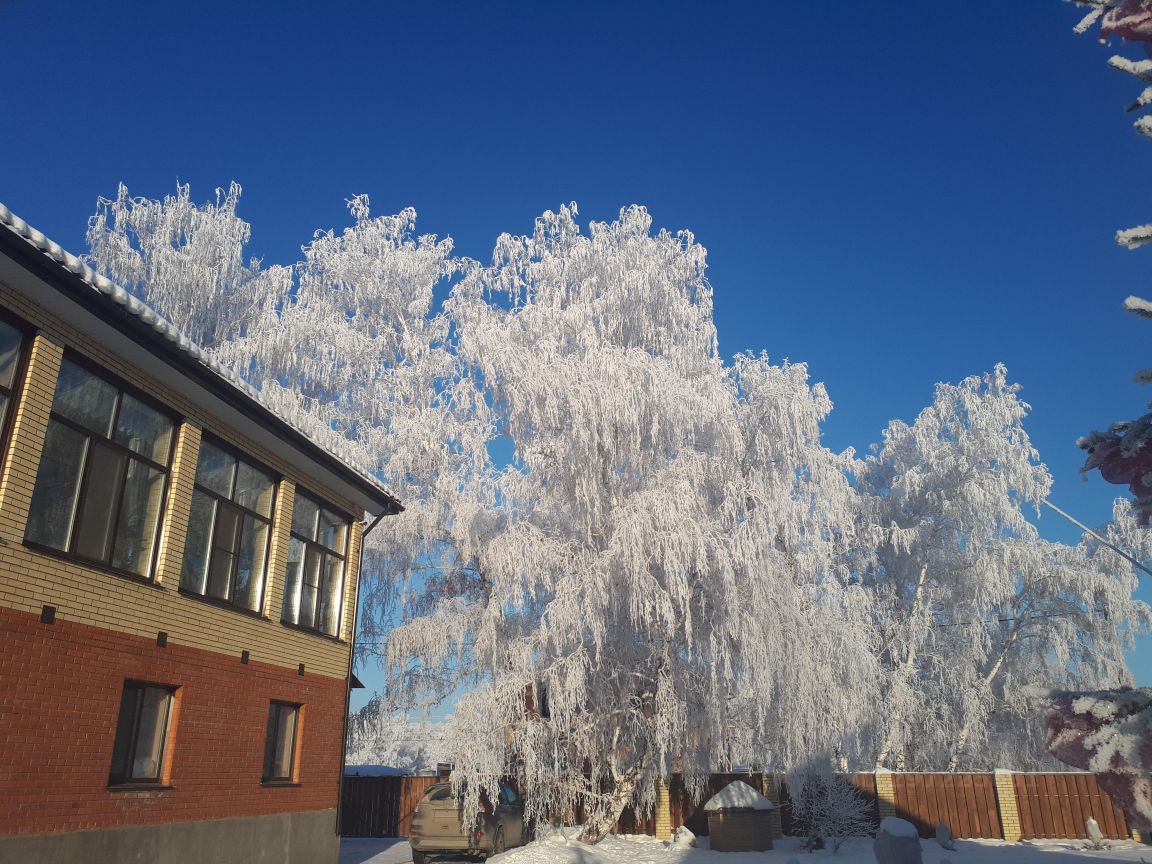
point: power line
(1088, 530)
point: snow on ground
(374, 850)
(632, 849)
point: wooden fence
(380, 806)
(1045, 805)
(966, 803)
(1059, 805)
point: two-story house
(178, 574)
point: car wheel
(498, 841)
(419, 857)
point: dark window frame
(124, 388)
(322, 550)
(271, 739)
(240, 456)
(123, 778)
(19, 373)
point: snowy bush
(830, 808)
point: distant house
(178, 572)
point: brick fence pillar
(885, 793)
(770, 789)
(663, 811)
(1006, 803)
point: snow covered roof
(108, 300)
(738, 795)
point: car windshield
(440, 793)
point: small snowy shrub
(832, 809)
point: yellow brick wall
(278, 553)
(174, 528)
(663, 811)
(355, 546)
(29, 579)
(771, 790)
(885, 794)
(29, 423)
(1006, 802)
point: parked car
(440, 828)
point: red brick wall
(60, 688)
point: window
(280, 743)
(508, 794)
(314, 580)
(100, 486)
(11, 345)
(141, 734)
(226, 551)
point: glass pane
(143, 429)
(139, 518)
(9, 354)
(250, 566)
(329, 618)
(270, 741)
(85, 399)
(310, 587)
(282, 741)
(122, 749)
(290, 611)
(223, 551)
(215, 469)
(99, 502)
(304, 513)
(150, 734)
(3, 411)
(333, 530)
(194, 575)
(253, 489)
(57, 482)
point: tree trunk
(966, 730)
(607, 811)
(896, 719)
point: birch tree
(186, 259)
(972, 604)
(360, 353)
(347, 343)
(378, 736)
(661, 511)
(663, 568)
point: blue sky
(897, 199)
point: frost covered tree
(346, 342)
(380, 737)
(667, 571)
(970, 602)
(186, 260)
(360, 354)
(1121, 453)
(662, 512)
(663, 556)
